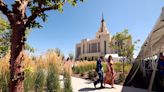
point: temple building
(92, 49)
(99, 46)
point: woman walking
(110, 73)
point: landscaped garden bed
(86, 70)
(40, 74)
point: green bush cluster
(67, 82)
(117, 66)
(92, 74)
(29, 79)
(4, 79)
(128, 66)
(121, 77)
(39, 80)
(34, 80)
(81, 69)
(40, 74)
(104, 66)
(53, 84)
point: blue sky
(64, 30)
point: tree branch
(36, 13)
(19, 7)
(31, 18)
(49, 8)
(3, 8)
(40, 10)
(64, 1)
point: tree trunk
(123, 66)
(17, 57)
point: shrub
(53, 84)
(39, 80)
(4, 73)
(82, 74)
(117, 66)
(29, 79)
(127, 67)
(121, 77)
(35, 78)
(83, 67)
(29, 73)
(4, 79)
(92, 74)
(67, 82)
(104, 66)
(76, 70)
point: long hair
(109, 58)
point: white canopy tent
(154, 42)
(153, 45)
(115, 57)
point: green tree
(119, 44)
(22, 15)
(4, 37)
(27, 46)
(123, 45)
(5, 34)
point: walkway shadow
(86, 89)
(92, 89)
(90, 82)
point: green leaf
(70, 1)
(74, 3)
(35, 25)
(43, 16)
(33, 8)
(5, 34)
(60, 8)
(56, 1)
(29, 48)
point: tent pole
(143, 62)
(155, 69)
(134, 72)
(153, 73)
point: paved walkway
(81, 85)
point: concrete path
(81, 85)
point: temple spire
(102, 18)
(102, 23)
(103, 28)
